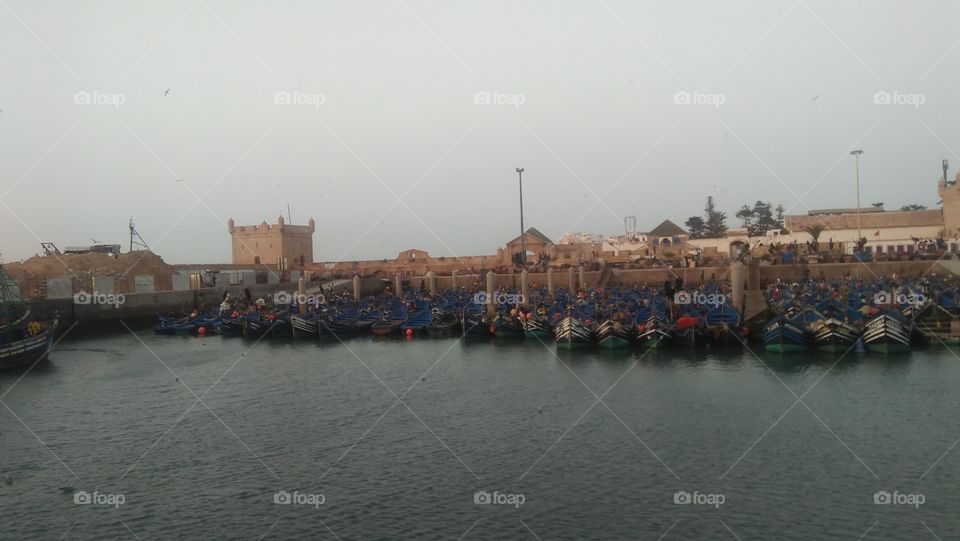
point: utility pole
(523, 246)
(856, 154)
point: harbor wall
(106, 307)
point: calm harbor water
(195, 438)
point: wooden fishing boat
(443, 321)
(614, 334)
(304, 325)
(536, 326)
(573, 333)
(390, 322)
(420, 320)
(888, 332)
(722, 325)
(834, 335)
(783, 335)
(655, 332)
(473, 321)
(24, 339)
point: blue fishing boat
(421, 318)
(24, 339)
(783, 335)
(722, 325)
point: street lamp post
(523, 246)
(856, 154)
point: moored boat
(783, 335)
(834, 335)
(572, 333)
(613, 335)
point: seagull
(95, 241)
(167, 91)
(540, 409)
(815, 97)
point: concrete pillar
(525, 288)
(738, 277)
(572, 281)
(432, 283)
(356, 287)
(491, 283)
(302, 291)
(550, 280)
(453, 280)
(583, 278)
(397, 285)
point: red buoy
(202, 331)
(409, 332)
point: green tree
(716, 221)
(696, 227)
(763, 219)
(913, 206)
(746, 214)
(815, 231)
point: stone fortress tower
(950, 194)
(280, 244)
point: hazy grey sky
(591, 113)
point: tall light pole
(856, 154)
(523, 246)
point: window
(890, 249)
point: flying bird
(167, 91)
(95, 241)
(815, 97)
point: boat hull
(27, 350)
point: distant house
(668, 237)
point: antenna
(630, 225)
(946, 165)
(289, 218)
(135, 238)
